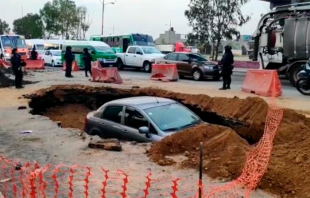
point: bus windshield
(39, 47)
(142, 39)
(104, 49)
(13, 41)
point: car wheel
(119, 64)
(147, 66)
(53, 63)
(197, 74)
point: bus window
(142, 39)
(109, 41)
(117, 43)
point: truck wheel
(147, 66)
(119, 64)
(293, 71)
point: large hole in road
(236, 123)
(70, 104)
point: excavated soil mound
(287, 173)
(6, 81)
(224, 152)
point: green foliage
(63, 17)
(4, 27)
(214, 20)
(31, 26)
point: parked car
(140, 119)
(192, 64)
(139, 57)
(52, 57)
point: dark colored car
(192, 64)
(140, 119)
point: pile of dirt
(289, 165)
(5, 81)
(224, 152)
(70, 115)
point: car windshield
(197, 58)
(172, 117)
(105, 49)
(13, 41)
(56, 53)
(150, 50)
(39, 47)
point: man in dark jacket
(34, 54)
(227, 67)
(69, 58)
(17, 64)
(87, 58)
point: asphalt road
(237, 80)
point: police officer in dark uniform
(227, 67)
(17, 65)
(87, 58)
(34, 54)
(69, 58)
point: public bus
(10, 41)
(120, 43)
(41, 45)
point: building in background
(170, 37)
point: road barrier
(164, 72)
(105, 75)
(262, 82)
(34, 65)
(74, 66)
(4, 64)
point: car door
(133, 120)
(171, 58)
(47, 57)
(129, 56)
(111, 122)
(184, 66)
(138, 57)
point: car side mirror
(145, 130)
(140, 53)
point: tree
(31, 26)
(63, 17)
(214, 20)
(4, 27)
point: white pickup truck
(139, 57)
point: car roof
(142, 102)
(183, 53)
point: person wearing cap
(17, 64)
(87, 58)
(227, 67)
(69, 58)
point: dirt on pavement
(287, 171)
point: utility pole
(169, 32)
(22, 12)
(102, 17)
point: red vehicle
(177, 47)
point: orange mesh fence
(35, 65)
(164, 72)
(74, 66)
(262, 82)
(106, 75)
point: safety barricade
(246, 64)
(34, 65)
(74, 66)
(262, 82)
(164, 72)
(4, 64)
(105, 75)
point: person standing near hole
(227, 67)
(17, 65)
(87, 58)
(69, 58)
(34, 54)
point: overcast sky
(132, 16)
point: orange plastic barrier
(74, 66)
(106, 75)
(262, 82)
(5, 64)
(164, 72)
(35, 65)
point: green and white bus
(100, 52)
(120, 43)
